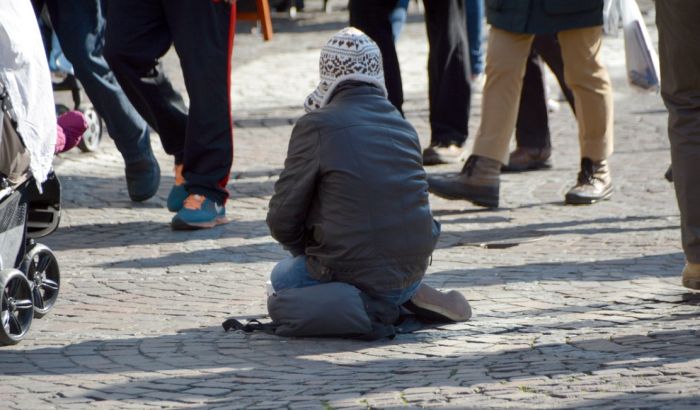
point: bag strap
(250, 326)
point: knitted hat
(349, 55)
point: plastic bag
(640, 56)
(611, 17)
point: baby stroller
(29, 272)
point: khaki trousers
(679, 52)
(584, 73)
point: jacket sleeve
(295, 188)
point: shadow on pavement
(515, 235)
(108, 235)
(239, 365)
(624, 269)
(263, 252)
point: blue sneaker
(176, 197)
(178, 193)
(199, 212)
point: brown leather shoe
(435, 154)
(691, 276)
(478, 182)
(594, 184)
(528, 159)
(442, 306)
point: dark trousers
(139, 33)
(80, 28)
(680, 89)
(532, 128)
(449, 92)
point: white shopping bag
(611, 17)
(640, 56)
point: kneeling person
(351, 204)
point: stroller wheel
(16, 300)
(41, 267)
(93, 134)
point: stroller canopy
(25, 74)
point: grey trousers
(680, 88)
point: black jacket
(353, 195)
(544, 16)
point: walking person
(680, 90)
(200, 138)
(80, 28)
(513, 27)
(532, 135)
(449, 91)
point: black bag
(332, 309)
(14, 157)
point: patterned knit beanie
(349, 55)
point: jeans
(291, 273)
(398, 18)
(80, 28)
(475, 34)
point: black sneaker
(142, 179)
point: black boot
(594, 183)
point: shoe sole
(179, 225)
(577, 200)
(532, 167)
(476, 200)
(429, 309)
(430, 161)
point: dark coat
(353, 194)
(544, 16)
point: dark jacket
(353, 195)
(544, 16)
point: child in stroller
(29, 190)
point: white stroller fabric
(25, 73)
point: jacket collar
(353, 88)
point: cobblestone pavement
(574, 306)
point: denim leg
(398, 18)
(475, 35)
(399, 296)
(291, 273)
(80, 27)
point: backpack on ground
(332, 309)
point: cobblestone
(574, 306)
